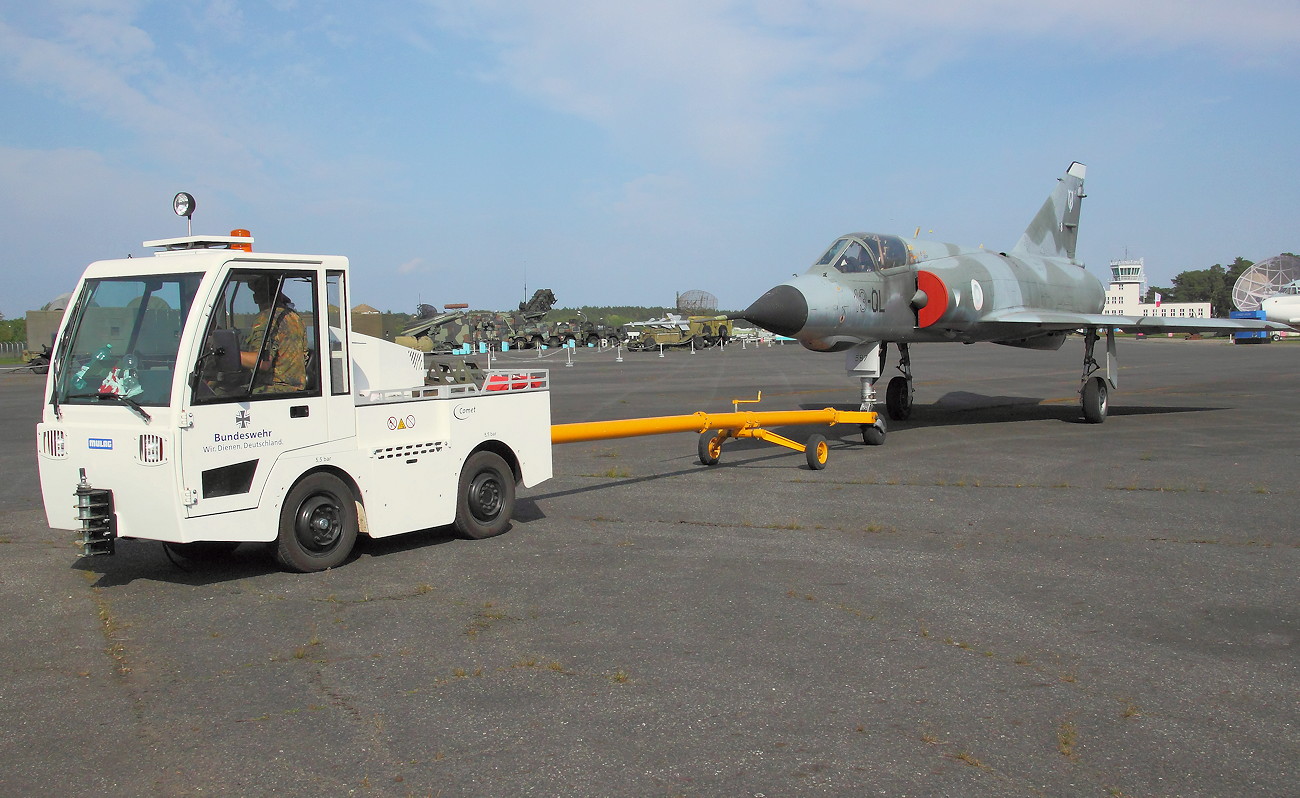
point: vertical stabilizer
(1054, 232)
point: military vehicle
(438, 332)
(673, 330)
(454, 328)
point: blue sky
(618, 153)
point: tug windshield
(122, 338)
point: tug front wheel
(485, 496)
(1095, 400)
(318, 524)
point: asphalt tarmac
(1000, 601)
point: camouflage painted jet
(870, 290)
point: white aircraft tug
(211, 395)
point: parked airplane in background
(870, 290)
(1284, 307)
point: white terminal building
(1128, 287)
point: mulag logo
(100, 443)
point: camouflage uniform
(287, 352)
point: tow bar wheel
(485, 496)
(816, 451)
(709, 448)
(318, 524)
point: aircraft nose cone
(782, 310)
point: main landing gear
(898, 395)
(1094, 390)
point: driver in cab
(280, 364)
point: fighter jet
(869, 290)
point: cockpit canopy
(866, 252)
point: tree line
(1213, 285)
(12, 329)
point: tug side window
(261, 341)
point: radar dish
(696, 302)
(1263, 280)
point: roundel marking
(937, 298)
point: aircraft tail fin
(1054, 232)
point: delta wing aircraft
(870, 290)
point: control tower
(1128, 286)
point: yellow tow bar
(739, 424)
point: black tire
(898, 399)
(710, 453)
(873, 434)
(318, 524)
(1096, 400)
(593, 340)
(202, 550)
(538, 342)
(485, 496)
(816, 451)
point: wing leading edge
(1042, 320)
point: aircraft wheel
(1095, 400)
(318, 524)
(898, 399)
(816, 451)
(485, 497)
(873, 434)
(710, 449)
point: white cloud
(731, 79)
(412, 266)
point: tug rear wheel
(816, 451)
(485, 496)
(1095, 400)
(318, 524)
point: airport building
(1128, 288)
